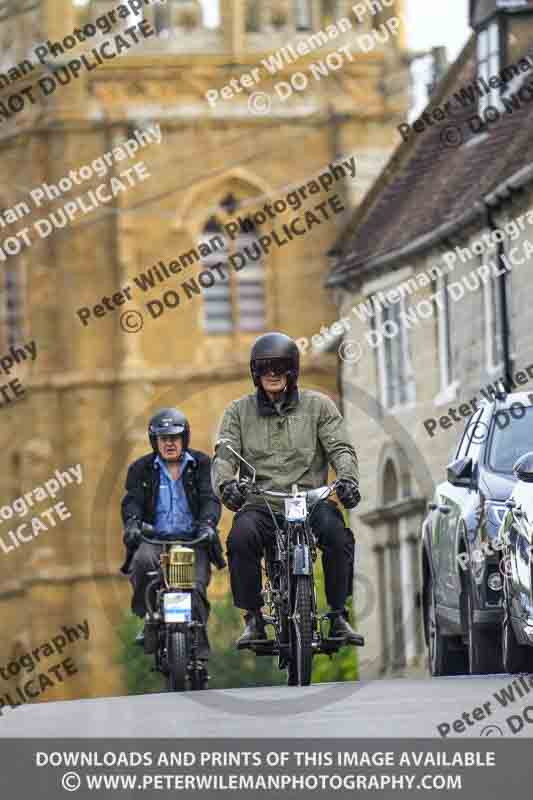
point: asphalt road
(384, 708)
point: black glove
(214, 546)
(233, 495)
(132, 534)
(348, 493)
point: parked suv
(461, 551)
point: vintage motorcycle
(171, 633)
(290, 593)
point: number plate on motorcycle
(177, 607)
(295, 508)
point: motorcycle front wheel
(301, 633)
(177, 658)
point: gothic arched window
(236, 301)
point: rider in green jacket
(289, 435)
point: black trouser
(253, 529)
(146, 559)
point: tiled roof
(426, 185)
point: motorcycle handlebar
(255, 490)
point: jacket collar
(266, 407)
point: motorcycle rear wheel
(301, 633)
(177, 658)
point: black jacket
(142, 489)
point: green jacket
(287, 445)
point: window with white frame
(303, 15)
(493, 308)
(397, 387)
(488, 63)
(444, 334)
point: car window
(511, 438)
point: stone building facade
(92, 387)
(437, 307)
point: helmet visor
(273, 366)
(168, 429)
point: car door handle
(432, 506)
(444, 509)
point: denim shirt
(172, 512)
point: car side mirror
(460, 472)
(523, 469)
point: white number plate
(177, 607)
(295, 508)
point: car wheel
(443, 659)
(484, 647)
(515, 657)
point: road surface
(384, 708)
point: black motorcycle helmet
(275, 350)
(168, 421)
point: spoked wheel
(177, 658)
(301, 634)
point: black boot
(341, 629)
(254, 628)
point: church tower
(239, 104)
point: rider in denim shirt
(172, 513)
